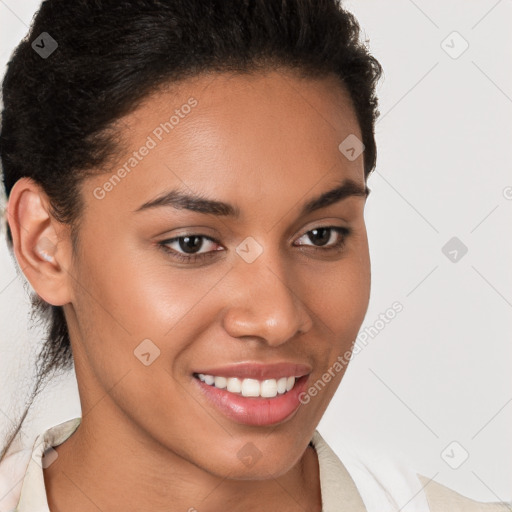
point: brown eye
(186, 247)
(189, 244)
(322, 235)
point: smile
(268, 388)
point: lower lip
(257, 411)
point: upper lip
(259, 371)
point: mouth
(252, 394)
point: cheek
(339, 301)
(133, 304)
(340, 294)
(140, 294)
(135, 321)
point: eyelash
(193, 258)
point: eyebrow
(197, 203)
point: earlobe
(38, 244)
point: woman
(186, 185)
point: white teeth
(221, 382)
(250, 387)
(268, 388)
(281, 385)
(234, 385)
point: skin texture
(149, 440)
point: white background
(441, 370)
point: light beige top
(363, 489)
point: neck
(122, 469)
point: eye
(324, 236)
(190, 245)
(187, 248)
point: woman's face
(271, 284)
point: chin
(248, 462)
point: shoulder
(441, 498)
(384, 483)
(388, 482)
(21, 471)
(12, 471)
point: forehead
(250, 136)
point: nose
(263, 305)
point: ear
(41, 244)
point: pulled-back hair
(59, 112)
